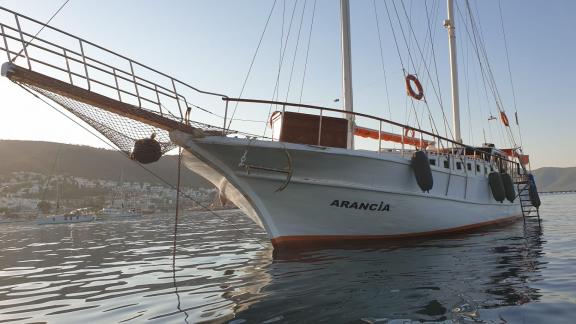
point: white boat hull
(336, 194)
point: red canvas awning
(391, 137)
(523, 158)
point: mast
(58, 195)
(58, 183)
(449, 24)
(347, 69)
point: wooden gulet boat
(308, 182)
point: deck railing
(443, 145)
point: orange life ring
(416, 95)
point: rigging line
(410, 46)
(398, 50)
(510, 72)
(422, 57)
(490, 78)
(382, 61)
(222, 117)
(415, 112)
(466, 51)
(447, 129)
(409, 55)
(476, 28)
(307, 52)
(394, 35)
(411, 61)
(478, 95)
(473, 40)
(413, 105)
(281, 57)
(285, 43)
(252, 61)
(40, 30)
(407, 112)
(499, 103)
(425, 49)
(295, 50)
(174, 241)
(115, 149)
(433, 126)
(283, 47)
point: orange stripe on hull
(304, 240)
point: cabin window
(478, 168)
(432, 161)
(458, 165)
(447, 164)
(485, 170)
(469, 166)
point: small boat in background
(80, 215)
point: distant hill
(88, 162)
(555, 179)
(94, 163)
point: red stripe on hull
(305, 240)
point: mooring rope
(175, 235)
(177, 207)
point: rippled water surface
(226, 271)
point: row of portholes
(459, 166)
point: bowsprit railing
(82, 63)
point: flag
(504, 119)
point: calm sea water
(226, 271)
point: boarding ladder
(529, 211)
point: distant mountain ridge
(94, 163)
(555, 179)
(88, 162)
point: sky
(210, 45)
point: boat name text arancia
(361, 205)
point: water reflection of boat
(457, 279)
(75, 216)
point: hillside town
(21, 193)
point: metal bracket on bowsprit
(288, 170)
